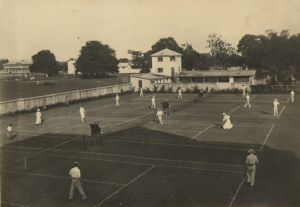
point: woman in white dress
(226, 122)
(38, 117)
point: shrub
(188, 90)
(147, 90)
(170, 89)
(162, 89)
(155, 88)
(195, 89)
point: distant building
(17, 67)
(127, 68)
(71, 66)
(166, 64)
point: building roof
(73, 59)
(166, 52)
(17, 63)
(216, 73)
(149, 76)
(124, 64)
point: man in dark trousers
(201, 95)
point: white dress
(38, 118)
(227, 124)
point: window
(160, 59)
(172, 58)
(160, 70)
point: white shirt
(81, 110)
(160, 113)
(251, 159)
(117, 98)
(292, 93)
(9, 129)
(38, 114)
(276, 103)
(247, 97)
(179, 91)
(75, 173)
(153, 100)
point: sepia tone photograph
(133, 103)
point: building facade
(18, 67)
(71, 66)
(126, 68)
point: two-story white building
(165, 65)
(71, 66)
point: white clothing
(251, 162)
(227, 121)
(82, 113)
(159, 115)
(247, 101)
(117, 101)
(9, 129)
(276, 103)
(292, 96)
(179, 94)
(141, 92)
(153, 106)
(38, 117)
(75, 173)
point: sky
(64, 26)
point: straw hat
(224, 113)
(76, 164)
(38, 110)
(153, 96)
(251, 151)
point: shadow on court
(138, 167)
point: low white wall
(191, 86)
(27, 104)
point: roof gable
(166, 52)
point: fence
(28, 104)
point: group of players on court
(166, 108)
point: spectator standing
(76, 178)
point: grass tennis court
(189, 161)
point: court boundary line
(179, 145)
(280, 112)
(234, 109)
(237, 191)
(134, 157)
(39, 152)
(14, 204)
(124, 186)
(267, 137)
(201, 132)
(60, 177)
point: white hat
(38, 110)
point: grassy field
(189, 161)
(10, 89)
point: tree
(62, 66)
(137, 58)
(44, 62)
(220, 50)
(3, 61)
(123, 60)
(97, 59)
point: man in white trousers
(251, 162)
(247, 101)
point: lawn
(189, 161)
(10, 89)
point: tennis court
(189, 161)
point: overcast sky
(64, 26)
